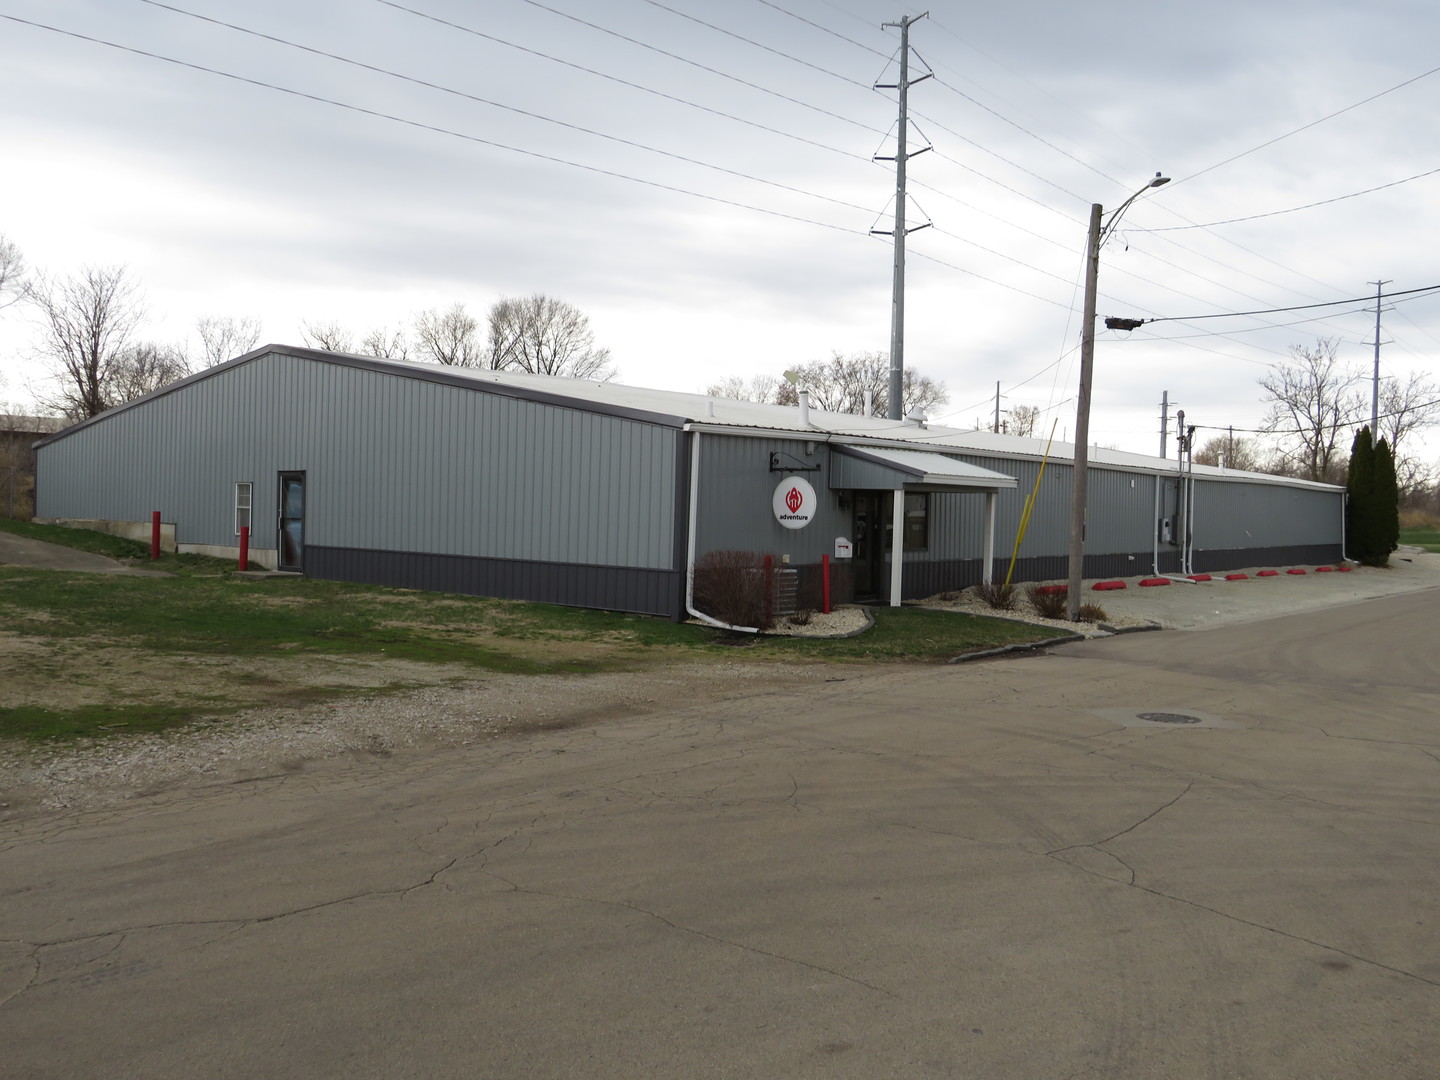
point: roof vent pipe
(710, 407)
(804, 396)
(869, 402)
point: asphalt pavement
(1209, 854)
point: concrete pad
(37, 554)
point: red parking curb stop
(1237, 577)
(1108, 586)
(1268, 573)
(1295, 570)
(1324, 569)
(1201, 577)
(1152, 581)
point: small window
(917, 522)
(242, 506)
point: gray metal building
(600, 495)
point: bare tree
(13, 286)
(449, 337)
(142, 368)
(385, 343)
(546, 336)
(87, 321)
(840, 384)
(1022, 419)
(764, 389)
(1232, 453)
(331, 336)
(1312, 401)
(225, 337)
(1406, 407)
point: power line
(1307, 127)
(702, 67)
(622, 82)
(1297, 307)
(500, 105)
(1022, 128)
(421, 125)
(823, 29)
(1294, 209)
(757, 44)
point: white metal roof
(702, 411)
(705, 413)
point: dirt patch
(264, 742)
(59, 674)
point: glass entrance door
(291, 545)
(871, 517)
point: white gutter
(690, 545)
(1155, 528)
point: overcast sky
(697, 178)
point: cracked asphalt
(953, 871)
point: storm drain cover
(1168, 718)
(1182, 717)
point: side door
(290, 530)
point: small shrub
(730, 586)
(999, 595)
(802, 617)
(1092, 613)
(1048, 605)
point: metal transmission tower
(897, 301)
(1375, 382)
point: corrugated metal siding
(391, 464)
(1119, 517)
(851, 474)
(613, 588)
(736, 488)
(1239, 516)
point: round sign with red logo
(794, 502)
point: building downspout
(1155, 529)
(690, 546)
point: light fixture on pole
(1097, 236)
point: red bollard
(244, 547)
(154, 535)
(825, 584)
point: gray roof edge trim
(923, 477)
(375, 364)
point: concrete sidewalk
(39, 555)
(1185, 605)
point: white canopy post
(897, 545)
(988, 570)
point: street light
(1097, 237)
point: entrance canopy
(862, 467)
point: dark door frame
(871, 579)
(297, 565)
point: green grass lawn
(1425, 536)
(66, 620)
